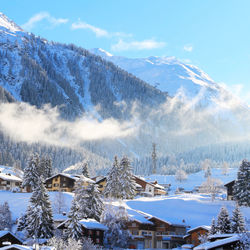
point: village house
(7, 238)
(10, 182)
(141, 229)
(167, 234)
(230, 186)
(90, 228)
(65, 182)
(220, 242)
(194, 235)
(151, 232)
(142, 187)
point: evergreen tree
(39, 213)
(22, 222)
(5, 216)
(127, 179)
(85, 170)
(238, 223)
(31, 171)
(224, 222)
(242, 184)
(213, 229)
(74, 228)
(94, 203)
(45, 167)
(117, 235)
(113, 186)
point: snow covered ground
(195, 179)
(18, 202)
(190, 209)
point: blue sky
(212, 34)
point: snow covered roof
(216, 236)
(73, 177)
(92, 224)
(187, 246)
(9, 177)
(16, 246)
(202, 227)
(137, 216)
(158, 186)
(4, 232)
(218, 243)
(230, 182)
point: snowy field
(194, 209)
(194, 179)
(18, 202)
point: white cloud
(188, 48)
(98, 31)
(24, 122)
(30, 24)
(137, 45)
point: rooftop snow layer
(92, 224)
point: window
(97, 233)
(97, 241)
(134, 232)
(8, 183)
(90, 232)
(133, 224)
(49, 185)
(17, 183)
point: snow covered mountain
(168, 74)
(37, 71)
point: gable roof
(73, 177)
(92, 224)
(9, 177)
(217, 243)
(138, 216)
(207, 228)
(229, 183)
(4, 232)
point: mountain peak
(100, 52)
(8, 24)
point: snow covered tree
(244, 243)
(21, 223)
(45, 167)
(5, 216)
(39, 219)
(206, 166)
(31, 171)
(242, 184)
(128, 185)
(225, 167)
(180, 175)
(238, 222)
(87, 244)
(85, 170)
(117, 235)
(74, 228)
(213, 228)
(211, 186)
(61, 244)
(94, 202)
(113, 186)
(224, 222)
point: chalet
(158, 189)
(229, 243)
(59, 219)
(8, 238)
(193, 236)
(9, 181)
(146, 187)
(65, 182)
(91, 229)
(230, 186)
(168, 235)
(101, 182)
(141, 229)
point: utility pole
(154, 156)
